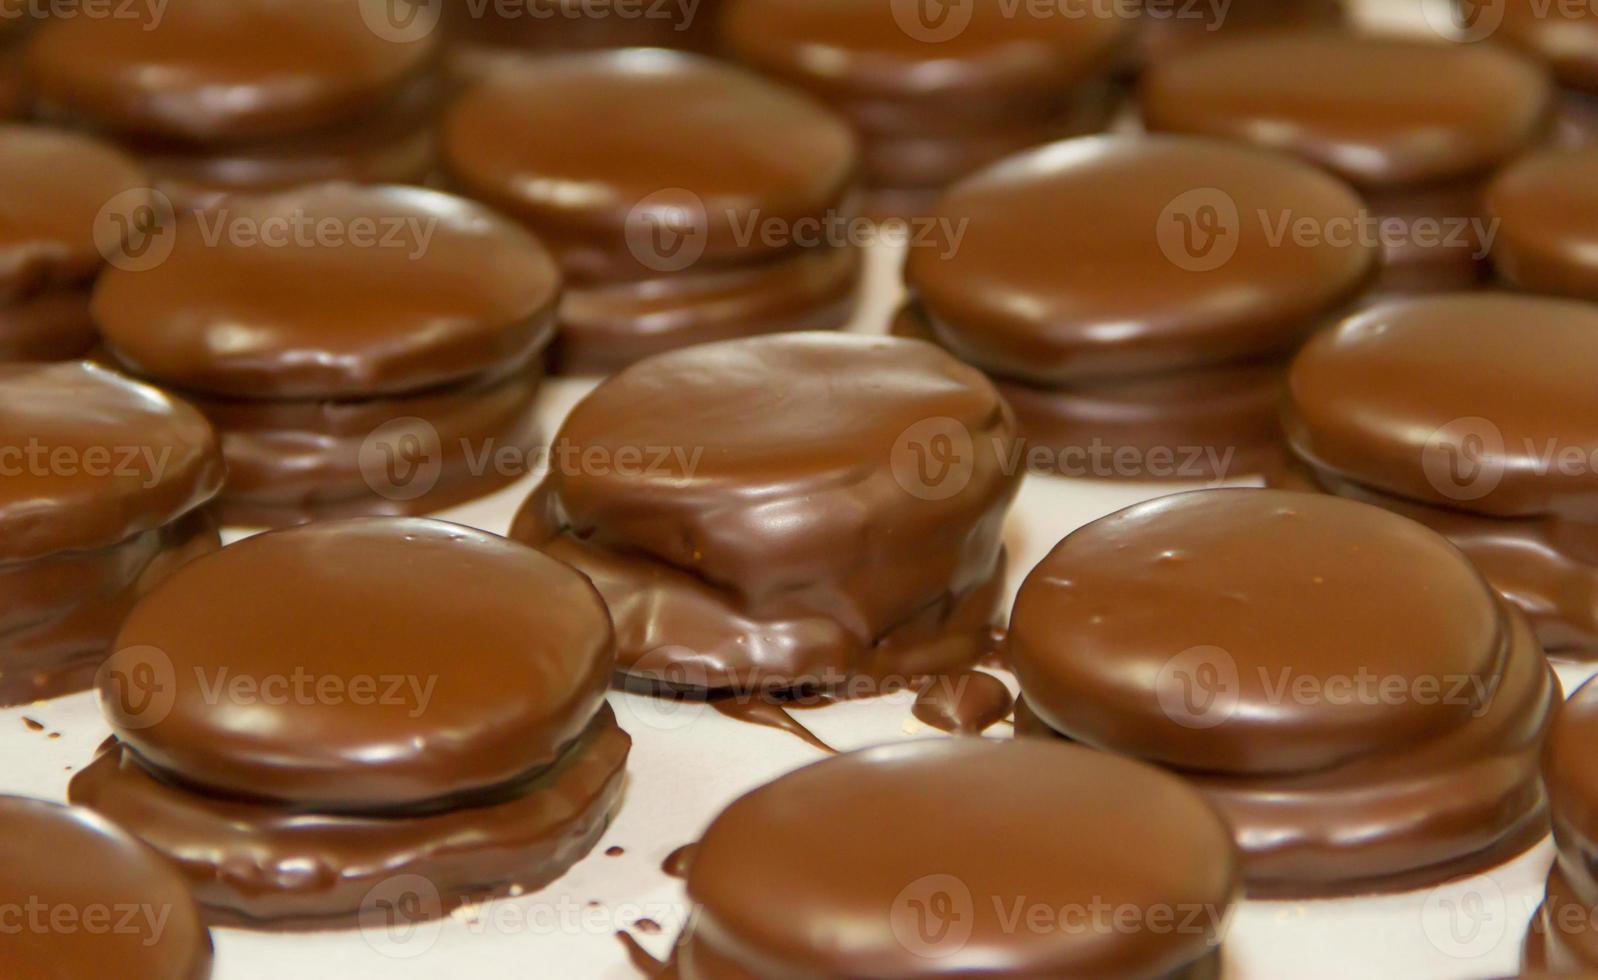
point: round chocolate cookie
(332, 292)
(1029, 827)
(1386, 114)
(811, 507)
(1562, 939)
(484, 36)
(90, 459)
(93, 902)
(1546, 209)
(215, 71)
(1456, 401)
(648, 131)
(1471, 415)
(693, 201)
(1339, 681)
(1114, 257)
(466, 742)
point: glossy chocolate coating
(411, 289)
(61, 190)
(1573, 880)
(214, 71)
(106, 905)
(1214, 423)
(1270, 589)
(1035, 823)
(114, 458)
(867, 49)
(1547, 211)
(62, 612)
(1397, 117)
(773, 528)
(646, 131)
(607, 326)
(520, 658)
(1071, 266)
(1546, 567)
(1455, 401)
(267, 867)
(1563, 34)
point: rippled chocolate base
(695, 959)
(294, 462)
(1405, 818)
(678, 632)
(1200, 426)
(59, 615)
(605, 327)
(1546, 567)
(267, 868)
(52, 326)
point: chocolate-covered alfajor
(938, 91)
(1340, 682)
(1545, 210)
(786, 512)
(1387, 115)
(1472, 414)
(1565, 37)
(688, 200)
(362, 350)
(1563, 938)
(1135, 297)
(85, 899)
(1013, 864)
(320, 718)
(221, 96)
(103, 485)
(69, 201)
